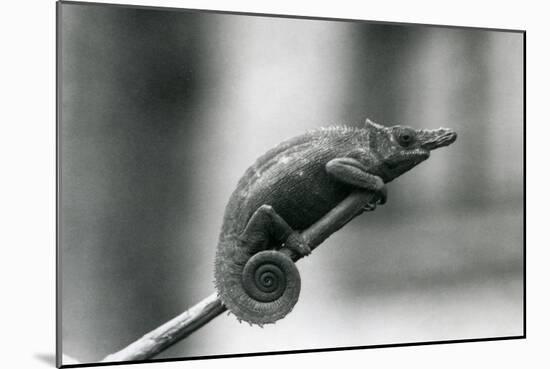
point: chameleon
(291, 187)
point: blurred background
(162, 112)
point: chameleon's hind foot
(296, 243)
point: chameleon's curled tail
(258, 289)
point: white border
(28, 193)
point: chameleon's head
(401, 148)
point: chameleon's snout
(437, 138)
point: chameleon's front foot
(380, 199)
(352, 172)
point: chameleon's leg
(269, 282)
(352, 172)
(266, 227)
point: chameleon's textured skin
(295, 180)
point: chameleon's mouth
(439, 138)
(407, 159)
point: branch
(170, 332)
(189, 321)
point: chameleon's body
(291, 187)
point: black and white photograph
(233, 184)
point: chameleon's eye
(405, 138)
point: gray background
(161, 112)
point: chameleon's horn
(370, 123)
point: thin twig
(170, 332)
(189, 321)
